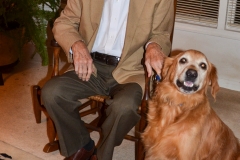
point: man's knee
(128, 101)
(51, 90)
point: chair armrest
(56, 52)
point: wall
(222, 47)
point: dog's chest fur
(169, 106)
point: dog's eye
(183, 61)
(203, 66)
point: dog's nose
(191, 73)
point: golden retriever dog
(181, 123)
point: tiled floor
(16, 153)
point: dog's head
(190, 72)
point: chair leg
(36, 103)
(139, 147)
(53, 144)
(139, 151)
(102, 113)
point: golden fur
(181, 123)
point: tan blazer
(148, 21)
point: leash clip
(156, 78)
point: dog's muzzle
(187, 85)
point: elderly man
(106, 41)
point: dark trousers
(61, 96)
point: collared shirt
(112, 29)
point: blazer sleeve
(162, 25)
(65, 28)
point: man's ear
(213, 81)
(166, 65)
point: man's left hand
(154, 58)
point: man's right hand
(83, 62)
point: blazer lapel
(96, 7)
(96, 12)
(135, 10)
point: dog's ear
(213, 81)
(166, 65)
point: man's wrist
(70, 51)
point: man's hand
(83, 63)
(154, 58)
